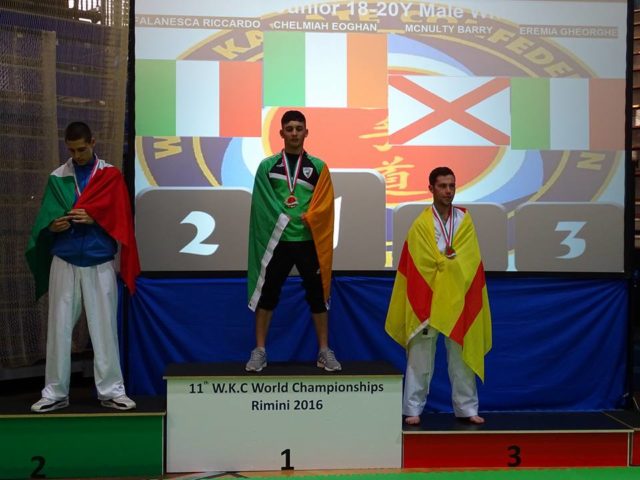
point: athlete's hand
(60, 224)
(80, 215)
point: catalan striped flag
(198, 98)
(449, 294)
(325, 70)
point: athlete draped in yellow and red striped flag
(440, 288)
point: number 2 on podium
(36, 473)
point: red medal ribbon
(291, 200)
(448, 236)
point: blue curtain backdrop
(558, 344)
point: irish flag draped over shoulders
(269, 219)
(449, 294)
(319, 218)
(106, 200)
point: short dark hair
(78, 131)
(439, 172)
(293, 116)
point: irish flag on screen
(325, 70)
(198, 98)
(567, 114)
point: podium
(289, 416)
(521, 440)
(82, 441)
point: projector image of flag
(524, 113)
(567, 113)
(344, 70)
(442, 111)
(198, 98)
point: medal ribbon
(448, 236)
(93, 172)
(291, 181)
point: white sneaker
(48, 405)
(120, 403)
(257, 361)
(327, 360)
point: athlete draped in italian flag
(291, 224)
(105, 199)
(85, 212)
(440, 288)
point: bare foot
(412, 420)
(475, 419)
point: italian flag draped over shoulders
(449, 294)
(269, 219)
(106, 200)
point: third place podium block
(289, 416)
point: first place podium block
(289, 416)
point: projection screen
(524, 100)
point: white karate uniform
(69, 286)
(421, 353)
